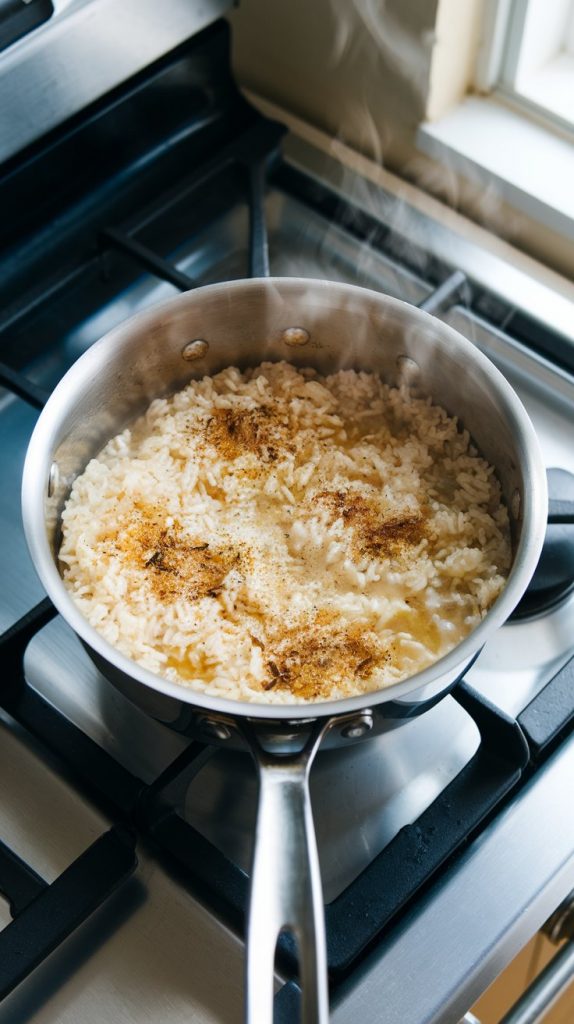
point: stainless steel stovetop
(153, 951)
(156, 950)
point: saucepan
(328, 326)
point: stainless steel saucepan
(309, 323)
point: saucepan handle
(286, 893)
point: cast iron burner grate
(44, 915)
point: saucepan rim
(78, 377)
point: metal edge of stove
(513, 285)
(460, 935)
(84, 52)
(507, 351)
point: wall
(358, 69)
(457, 39)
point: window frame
(498, 60)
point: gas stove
(124, 849)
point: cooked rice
(278, 536)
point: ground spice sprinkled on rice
(277, 536)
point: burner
(553, 578)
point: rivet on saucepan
(53, 479)
(215, 730)
(295, 337)
(515, 504)
(408, 369)
(194, 349)
(358, 726)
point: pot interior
(245, 323)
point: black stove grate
(19, 385)
(250, 156)
(550, 715)
(44, 915)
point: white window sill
(532, 167)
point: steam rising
(371, 38)
(402, 51)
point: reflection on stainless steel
(522, 657)
(57, 666)
(88, 48)
(361, 795)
